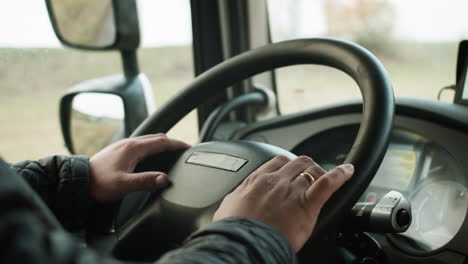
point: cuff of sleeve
(261, 239)
(72, 201)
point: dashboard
(417, 167)
(426, 161)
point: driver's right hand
(287, 195)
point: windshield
(416, 41)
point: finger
(316, 171)
(270, 166)
(136, 142)
(327, 184)
(295, 167)
(274, 164)
(149, 180)
(157, 144)
(299, 185)
(151, 136)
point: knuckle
(121, 180)
(249, 179)
(305, 159)
(130, 143)
(325, 182)
(164, 141)
(282, 158)
(266, 179)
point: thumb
(149, 180)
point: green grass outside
(33, 80)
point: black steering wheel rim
(378, 104)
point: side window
(35, 71)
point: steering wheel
(207, 172)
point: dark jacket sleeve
(233, 240)
(29, 234)
(62, 183)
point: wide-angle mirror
(84, 23)
(96, 121)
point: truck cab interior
(408, 199)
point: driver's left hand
(112, 168)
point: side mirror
(98, 112)
(461, 93)
(95, 24)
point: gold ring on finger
(308, 177)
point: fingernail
(161, 180)
(348, 167)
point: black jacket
(30, 232)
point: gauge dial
(439, 210)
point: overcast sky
(24, 23)
(421, 20)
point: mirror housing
(461, 93)
(117, 27)
(90, 111)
